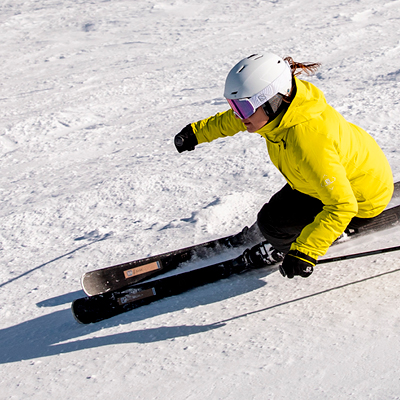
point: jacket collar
(308, 103)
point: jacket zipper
(280, 162)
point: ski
(99, 307)
(123, 275)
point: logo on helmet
(262, 98)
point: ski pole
(359, 255)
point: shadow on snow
(44, 336)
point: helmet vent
(255, 56)
(241, 69)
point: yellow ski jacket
(322, 155)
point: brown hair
(298, 68)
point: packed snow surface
(92, 94)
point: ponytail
(298, 68)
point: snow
(92, 94)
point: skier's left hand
(185, 140)
(297, 263)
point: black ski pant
(282, 219)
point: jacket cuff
(295, 248)
(302, 256)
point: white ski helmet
(257, 79)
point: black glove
(297, 263)
(186, 139)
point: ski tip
(83, 284)
(76, 308)
(74, 313)
(87, 285)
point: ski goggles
(243, 108)
(246, 107)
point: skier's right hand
(185, 139)
(297, 263)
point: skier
(337, 175)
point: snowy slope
(91, 96)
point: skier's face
(256, 121)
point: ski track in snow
(92, 94)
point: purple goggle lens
(242, 108)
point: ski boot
(262, 254)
